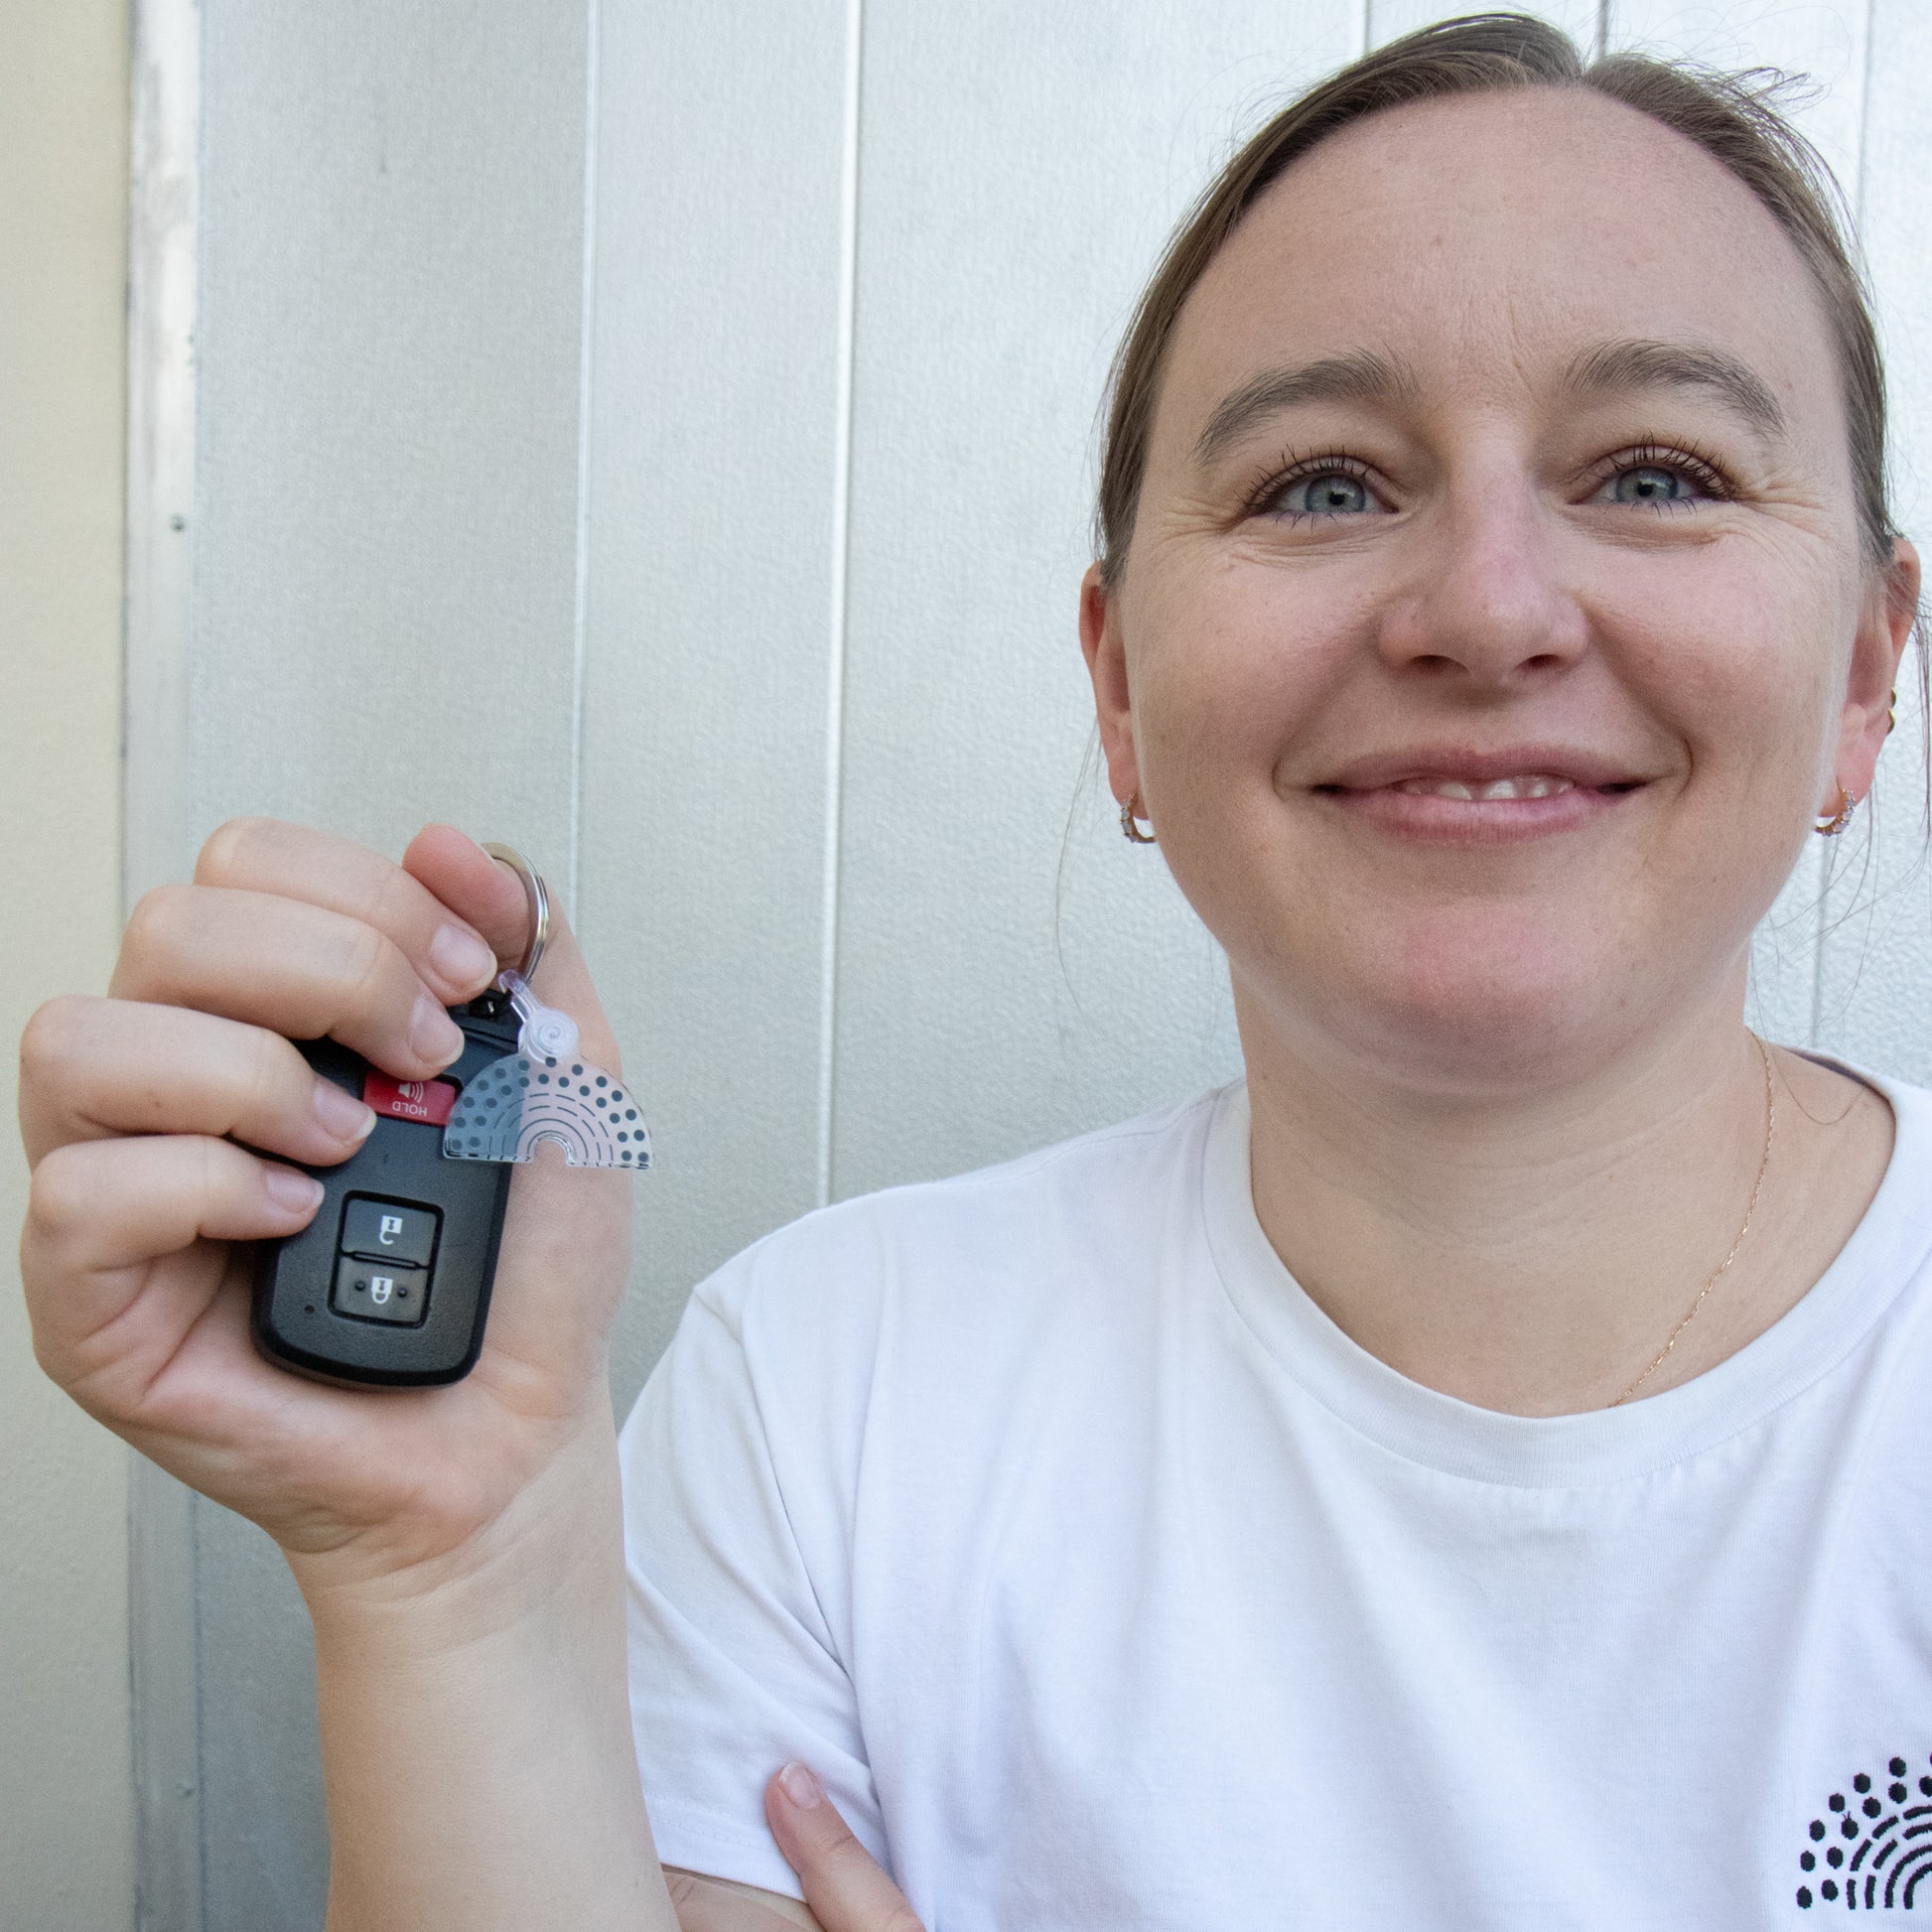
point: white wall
(768, 657)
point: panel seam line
(586, 342)
(837, 621)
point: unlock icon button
(389, 1230)
(382, 1266)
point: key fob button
(381, 1290)
(429, 1101)
(352, 1300)
(387, 1230)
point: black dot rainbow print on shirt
(1872, 1844)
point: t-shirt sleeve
(735, 1536)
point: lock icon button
(381, 1290)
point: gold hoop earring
(1830, 828)
(1130, 813)
(1891, 712)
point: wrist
(476, 1726)
(553, 1553)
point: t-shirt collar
(1888, 1250)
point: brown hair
(1733, 118)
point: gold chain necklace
(1764, 1161)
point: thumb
(567, 1235)
(843, 1885)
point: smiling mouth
(1529, 785)
(1492, 790)
(1482, 793)
(1507, 788)
(1477, 799)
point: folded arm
(846, 1889)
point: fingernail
(343, 1116)
(800, 1785)
(461, 957)
(296, 1192)
(433, 1034)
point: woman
(1466, 1475)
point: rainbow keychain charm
(545, 1091)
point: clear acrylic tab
(546, 1092)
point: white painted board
(386, 489)
(712, 542)
(1582, 20)
(1010, 211)
(383, 610)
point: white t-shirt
(1108, 1585)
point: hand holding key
(140, 1111)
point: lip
(1364, 790)
(1472, 766)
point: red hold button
(424, 1100)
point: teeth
(1531, 785)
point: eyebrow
(1360, 375)
(1648, 365)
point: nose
(1486, 607)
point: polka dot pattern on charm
(515, 1104)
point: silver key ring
(536, 897)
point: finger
(451, 863)
(91, 1067)
(264, 854)
(459, 874)
(842, 1883)
(100, 1213)
(296, 968)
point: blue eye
(1650, 483)
(1655, 476)
(1324, 493)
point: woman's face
(1494, 621)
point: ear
(1885, 630)
(1105, 650)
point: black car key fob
(388, 1287)
(389, 1284)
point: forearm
(476, 1731)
